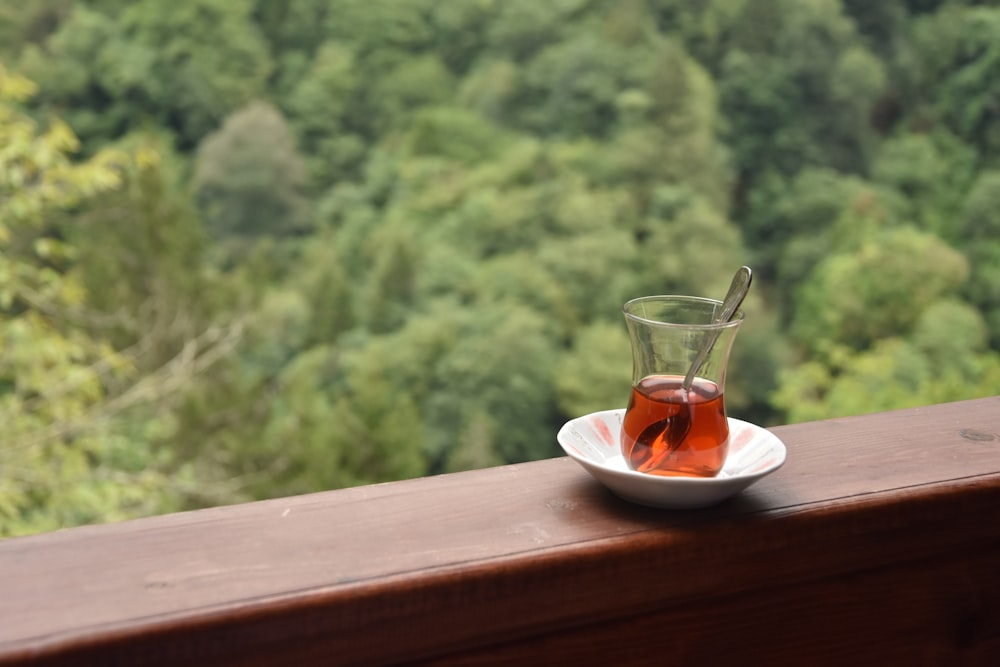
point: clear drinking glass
(670, 430)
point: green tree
(24, 23)
(249, 177)
(576, 81)
(65, 460)
(390, 292)
(893, 374)
(497, 373)
(140, 251)
(980, 234)
(877, 291)
(595, 374)
(185, 67)
(961, 67)
(521, 28)
(933, 172)
(796, 92)
(884, 329)
(324, 112)
(328, 289)
(295, 29)
(63, 64)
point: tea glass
(667, 429)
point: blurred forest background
(252, 248)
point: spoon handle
(738, 289)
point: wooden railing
(878, 542)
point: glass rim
(736, 320)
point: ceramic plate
(593, 442)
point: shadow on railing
(878, 541)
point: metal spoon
(738, 289)
(675, 428)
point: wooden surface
(878, 542)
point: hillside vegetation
(253, 248)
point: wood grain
(881, 531)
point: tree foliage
(63, 461)
(302, 245)
(249, 178)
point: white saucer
(593, 442)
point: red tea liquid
(657, 398)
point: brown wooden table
(878, 542)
